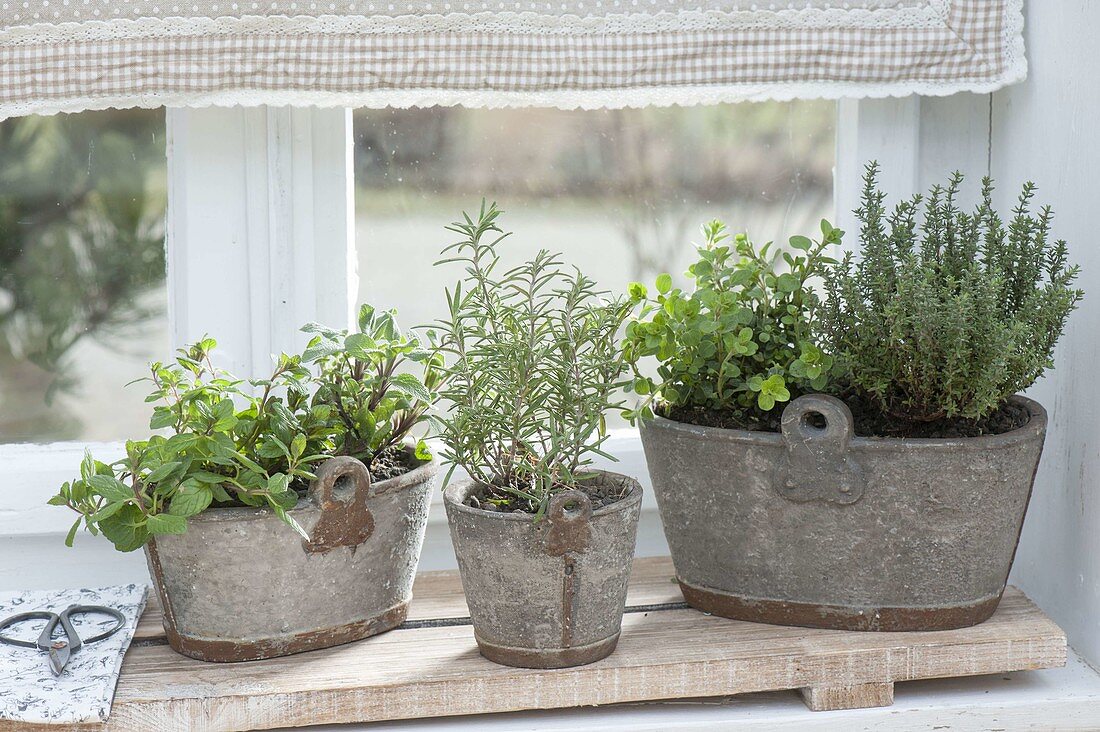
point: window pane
(621, 193)
(82, 290)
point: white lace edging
(502, 21)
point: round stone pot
(816, 527)
(547, 593)
(241, 585)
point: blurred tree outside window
(621, 193)
(82, 283)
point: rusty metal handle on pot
(568, 517)
(345, 519)
(817, 463)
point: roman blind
(72, 55)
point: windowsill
(1069, 696)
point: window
(82, 290)
(260, 220)
(621, 193)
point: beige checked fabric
(70, 55)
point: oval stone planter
(241, 585)
(818, 528)
(546, 594)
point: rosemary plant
(533, 365)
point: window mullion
(260, 228)
(886, 130)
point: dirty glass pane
(621, 193)
(82, 290)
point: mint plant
(742, 340)
(533, 364)
(949, 316)
(360, 382)
(226, 446)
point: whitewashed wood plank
(260, 219)
(859, 696)
(663, 654)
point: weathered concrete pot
(241, 585)
(819, 528)
(546, 594)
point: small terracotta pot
(241, 585)
(820, 528)
(546, 594)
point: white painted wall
(1046, 130)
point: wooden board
(667, 651)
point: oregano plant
(741, 340)
(948, 313)
(533, 364)
(228, 443)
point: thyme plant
(534, 363)
(227, 445)
(949, 316)
(375, 405)
(742, 340)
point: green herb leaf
(801, 242)
(409, 384)
(162, 472)
(107, 511)
(289, 521)
(297, 446)
(423, 452)
(71, 536)
(87, 466)
(110, 488)
(125, 528)
(191, 498)
(164, 523)
(787, 282)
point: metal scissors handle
(60, 650)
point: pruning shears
(62, 648)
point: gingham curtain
(71, 55)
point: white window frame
(270, 192)
(260, 226)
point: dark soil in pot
(392, 463)
(599, 493)
(868, 420)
